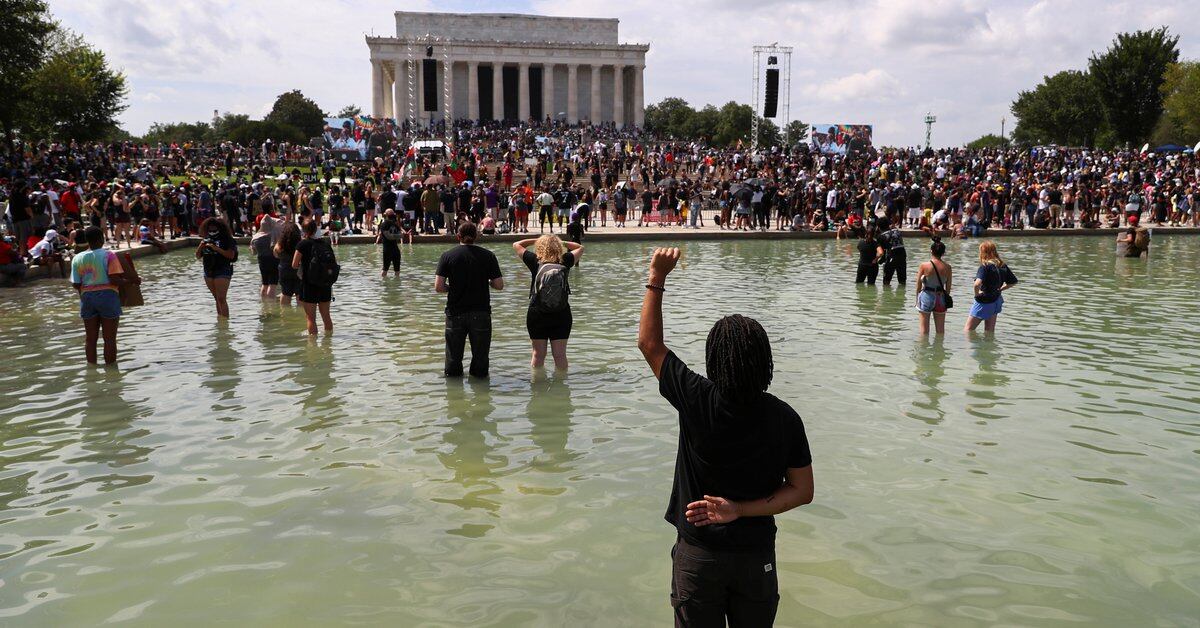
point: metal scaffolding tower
(779, 58)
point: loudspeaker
(430, 84)
(771, 102)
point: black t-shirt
(307, 248)
(739, 452)
(531, 262)
(468, 270)
(214, 262)
(387, 200)
(867, 252)
(391, 232)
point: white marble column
(388, 76)
(572, 94)
(399, 90)
(594, 108)
(523, 93)
(548, 91)
(448, 93)
(639, 107)
(376, 88)
(619, 95)
(497, 91)
(473, 90)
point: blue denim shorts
(102, 303)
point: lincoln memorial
(500, 66)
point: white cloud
(873, 84)
(884, 62)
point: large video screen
(841, 139)
(352, 138)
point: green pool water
(238, 472)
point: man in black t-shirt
(742, 458)
(466, 272)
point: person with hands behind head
(742, 458)
(548, 318)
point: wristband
(655, 288)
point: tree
(297, 110)
(797, 132)
(733, 124)
(671, 117)
(74, 94)
(25, 26)
(178, 132)
(991, 140)
(1129, 77)
(768, 134)
(256, 132)
(1181, 105)
(225, 124)
(1064, 109)
(349, 111)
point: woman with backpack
(218, 251)
(548, 318)
(318, 269)
(992, 278)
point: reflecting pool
(240, 472)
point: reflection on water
(240, 472)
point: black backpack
(322, 268)
(550, 289)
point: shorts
(219, 274)
(985, 311)
(543, 326)
(102, 303)
(268, 267)
(289, 281)
(312, 293)
(928, 301)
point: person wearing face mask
(218, 251)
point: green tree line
(293, 118)
(1134, 92)
(724, 126)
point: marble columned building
(490, 66)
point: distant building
(502, 66)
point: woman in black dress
(548, 318)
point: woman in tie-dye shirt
(96, 274)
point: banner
(841, 139)
(353, 138)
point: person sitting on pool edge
(742, 458)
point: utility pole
(929, 120)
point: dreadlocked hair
(738, 359)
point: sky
(879, 62)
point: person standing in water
(992, 278)
(548, 318)
(933, 286)
(743, 457)
(316, 263)
(464, 274)
(869, 254)
(96, 274)
(389, 236)
(218, 252)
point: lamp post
(929, 120)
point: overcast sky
(880, 62)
